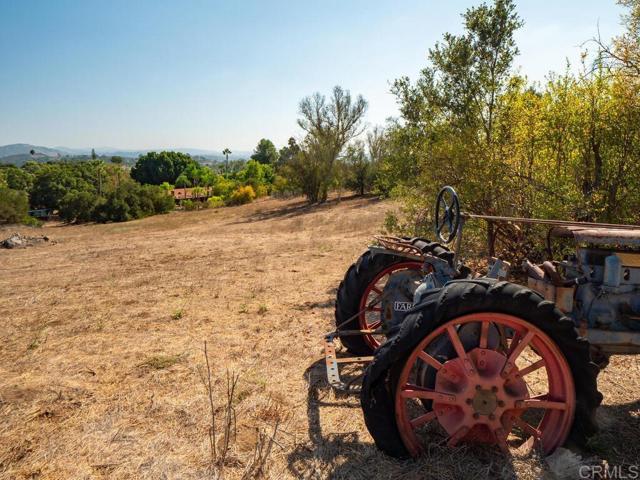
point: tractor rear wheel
(446, 374)
(357, 305)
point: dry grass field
(103, 373)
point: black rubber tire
(359, 275)
(454, 300)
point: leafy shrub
(132, 200)
(242, 195)
(189, 205)
(282, 189)
(31, 221)
(14, 205)
(77, 206)
(160, 199)
(261, 191)
(114, 208)
(215, 202)
(223, 187)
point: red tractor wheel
(370, 309)
(452, 374)
(358, 302)
(482, 395)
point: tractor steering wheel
(447, 214)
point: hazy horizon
(153, 75)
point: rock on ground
(21, 241)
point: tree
(18, 178)
(14, 205)
(330, 125)
(183, 181)
(360, 173)
(288, 152)
(226, 152)
(93, 154)
(450, 115)
(377, 144)
(77, 206)
(624, 53)
(265, 152)
(116, 159)
(154, 168)
(257, 175)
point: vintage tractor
(484, 360)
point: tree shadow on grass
(303, 207)
(352, 455)
(617, 440)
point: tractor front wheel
(451, 375)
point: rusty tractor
(458, 357)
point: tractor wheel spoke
(377, 290)
(542, 403)
(514, 342)
(374, 325)
(459, 348)
(428, 359)
(423, 419)
(453, 440)
(414, 391)
(501, 439)
(484, 334)
(455, 341)
(531, 368)
(515, 353)
(526, 428)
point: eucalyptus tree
(329, 126)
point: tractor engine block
(609, 296)
(598, 288)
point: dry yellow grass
(101, 351)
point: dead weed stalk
(257, 466)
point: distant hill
(25, 149)
(19, 153)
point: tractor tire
(465, 297)
(356, 281)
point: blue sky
(209, 74)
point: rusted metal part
(561, 296)
(560, 223)
(629, 236)
(333, 362)
(499, 269)
(610, 341)
(399, 246)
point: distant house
(196, 193)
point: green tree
(14, 205)
(450, 115)
(226, 152)
(93, 154)
(288, 152)
(77, 206)
(624, 52)
(183, 181)
(154, 168)
(265, 152)
(359, 169)
(18, 178)
(329, 125)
